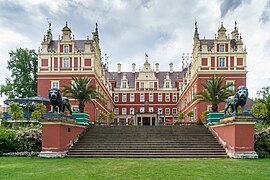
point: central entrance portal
(146, 121)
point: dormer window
(66, 49)
(167, 84)
(124, 84)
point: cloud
(229, 5)
(265, 16)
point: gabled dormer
(167, 82)
(124, 82)
(66, 33)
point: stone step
(151, 156)
(136, 148)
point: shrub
(7, 140)
(262, 143)
(199, 122)
(5, 124)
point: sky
(130, 28)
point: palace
(148, 96)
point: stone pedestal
(236, 134)
(58, 137)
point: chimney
(157, 67)
(171, 67)
(133, 67)
(119, 68)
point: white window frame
(167, 111)
(221, 62)
(66, 63)
(133, 111)
(151, 97)
(142, 98)
(141, 109)
(151, 109)
(124, 84)
(142, 85)
(222, 49)
(159, 111)
(174, 111)
(131, 98)
(124, 97)
(55, 84)
(232, 87)
(159, 97)
(174, 98)
(167, 84)
(124, 111)
(167, 97)
(66, 48)
(116, 111)
(116, 97)
(209, 108)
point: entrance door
(146, 121)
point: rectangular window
(159, 97)
(151, 109)
(174, 98)
(167, 84)
(142, 98)
(132, 111)
(142, 84)
(151, 85)
(221, 48)
(124, 111)
(116, 98)
(230, 85)
(209, 108)
(141, 109)
(131, 98)
(124, 98)
(174, 111)
(66, 63)
(124, 84)
(167, 99)
(66, 49)
(195, 114)
(151, 97)
(116, 111)
(55, 84)
(159, 111)
(167, 111)
(221, 62)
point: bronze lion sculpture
(239, 99)
(57, 100)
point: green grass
(140, 169)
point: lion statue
(57, 100)
(239, 99)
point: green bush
(199, 122)
(7, 140)
(5, 124)
(262, 143)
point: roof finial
(195, 24)
(96, 27)
(50, 26)
(221, 24)
(235, 23)
(240, 36)
(66, 24)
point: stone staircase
(148, 142)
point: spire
(49, 33)
(96, 27)
(196, 34)
(235, 33)
(235, 26)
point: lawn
(72, 168)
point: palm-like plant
(80, 90)
(214, 92)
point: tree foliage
(39, 110)
(15, 110)
(215, 91)
(80, 90)
(23, 82)
(111, 115)
(101, 117)
(263, 98)
(181, 116)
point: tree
(181, 116)
(39, 110)
(111, 115)
(214, 92)
(23, 82)
(261, 108)
(81, 91)
(101, 117)
(15, 110)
